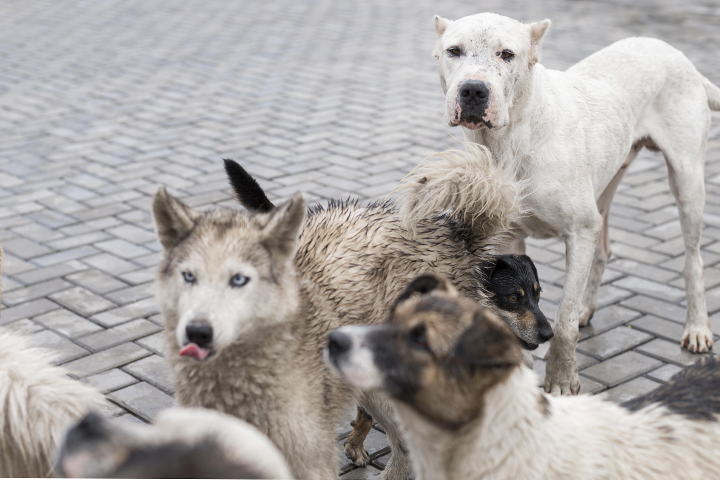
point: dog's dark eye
(513, 298)
(418, 337)
(507, 55)
(454, 51)
(239, 280)
(188, 277)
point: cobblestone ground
(102, 101)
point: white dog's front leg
(561, 373)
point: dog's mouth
(528, 346)
(473, 123)
(192, 350)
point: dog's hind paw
(697, 339)
(356, 453)
(561, 376)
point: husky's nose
(474, 92)
(338, 343)
(199, 333)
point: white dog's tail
(713, 94)
(467, 185)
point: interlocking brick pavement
(102, 101)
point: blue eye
(188, 277)
(239, 280)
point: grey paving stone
(37, 290)
(633, 388)
(669, 352)
(590, 387)
(29, 309)
(22, 327)
(107, 359)
(664, 373)
(96, 281)
(82, 301)
(142, 308)
(613, 342)
(63, 349)
(143, 400)
(659, 327)
(367, 473)
(44, 274)
(609, 317)
(655, 307)
(125, 332)
(155, 343)
(67, 323)
(621, 368)
(651, 289)
(110, 380)
(154, 370)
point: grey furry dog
(249, 298)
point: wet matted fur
(38, 402)
(469, 408)
(181, 443)
(303, 277)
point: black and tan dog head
(514, 287)
(438, 353)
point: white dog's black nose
(474, 92)
(338, 343)
(199, 333)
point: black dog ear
(247, 190)
(423, 285)
(493, 265)
(527, 259)
(488, 343)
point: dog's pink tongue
(192, 350)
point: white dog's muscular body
(570, 137)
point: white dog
(570, 136)
(38, 402)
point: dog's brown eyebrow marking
(522, 292)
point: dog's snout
(338, 343)
(474, 92)
(545, 333)
(199, 333)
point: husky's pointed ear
(441, 24)
(537, 32)
(283, 228)
(173, 219)
(488, 343)
(424, 285)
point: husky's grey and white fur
(470, 410)
(248, 300)
(38, 402)
(181, 443)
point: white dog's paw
(561, 376)
(697, 339)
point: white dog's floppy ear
(173, 219)
(537, 32)
(283, 229)
(441, 24)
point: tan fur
(37, 403)
(350, 265)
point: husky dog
(571, 135)
(39, 402)
(248, 300)
(514, 288)
(182, 443)
(469, 408)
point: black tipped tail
(247, 190)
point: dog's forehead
(487, 30)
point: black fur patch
(693, 392)
(248, 191)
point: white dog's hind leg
(602, 250)
(561, 372)
(688, 186)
